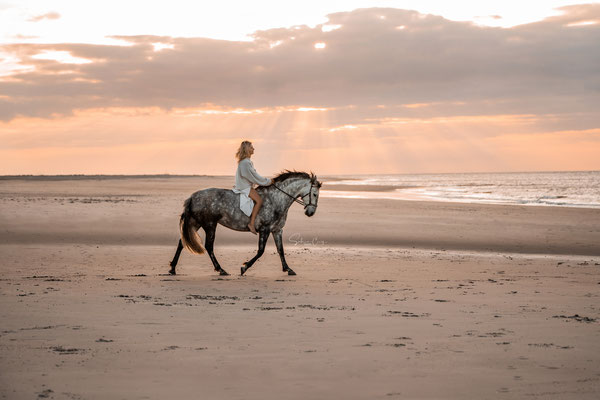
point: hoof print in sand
(575, 317)
(397, 345)
(45, 394)
(407, 314)
(62, 350)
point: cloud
(376, 57)
(50, 15)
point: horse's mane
(287, 174)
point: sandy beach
(393, 299)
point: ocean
(567, 189)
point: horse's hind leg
(175, 260)
(210, 229)
(262, 241)
(279, 244)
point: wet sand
(393, 299)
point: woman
(245, 177)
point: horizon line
(141, 176)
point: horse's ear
(313, 179)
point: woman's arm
(250, 173)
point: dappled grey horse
(209, 207)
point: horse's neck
(293, 187)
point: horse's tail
(189, 237)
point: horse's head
(311, 198)
(301, 185)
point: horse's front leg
(277, 236)
(262, 241)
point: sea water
(570, 189)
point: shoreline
(355, 194)
(331, 188)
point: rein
(301, 202)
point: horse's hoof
(290, 272)
(172, 272)
(223, 273)
(242, 270)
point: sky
(334, 87)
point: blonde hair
(243, 151)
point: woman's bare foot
(252, 229)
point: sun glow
(343, 128)
(286, 137)
(63, 57)
(311, 109)
(161, 46)
(10, 64)
(583, 23)
(329, 28)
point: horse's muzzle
(310, 211)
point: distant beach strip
(567, 189)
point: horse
(209, 207)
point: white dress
(246, 177)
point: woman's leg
(257, 204)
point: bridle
(301, 201)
